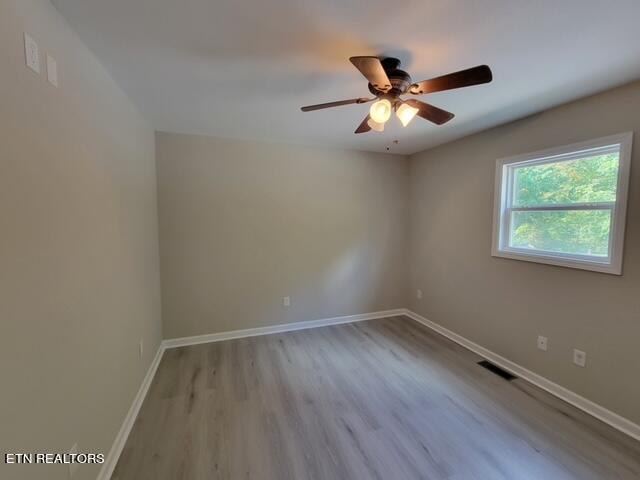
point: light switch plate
(579, 358)
(31, 53)
(286, 301)
(52, 70)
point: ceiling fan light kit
(387, 83)
(376, 126)
(405, 113)
(380, 111)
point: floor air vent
(497, 370)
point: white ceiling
(243, 69)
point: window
(564, 206)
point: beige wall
(79, 274)
(504, 304)
(243, 224)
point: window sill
(600, 267)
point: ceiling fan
(387, 82)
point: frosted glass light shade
(377, 126)
(380, 111)
(405, 114)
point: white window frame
(503, 205)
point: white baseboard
(118, 444)
(285, 327)
(593, 409)
(607, 416)
(121, 438)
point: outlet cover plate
(52, 70)
(542, 342)
(73, 467)
(31, 53)
(579, 357)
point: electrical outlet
(579, 357)
(419, 294)
(141, 348)
(52, 70)
(286, 301)
(542, 342)
(31, 53)
(73, 466)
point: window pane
(581, 232)
(585, 180)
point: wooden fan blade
(372, 69)
(429, 112)
(464, 78)
(320, 106)
(364, 126)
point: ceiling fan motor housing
(400, 80)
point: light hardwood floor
(383, 399)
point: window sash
(565, 206)
(565, 157)
(507, 232)
(508, 186)
(559, 158)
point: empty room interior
(332, 240)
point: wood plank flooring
(383, 399)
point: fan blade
(464, 78)
(429, 112)
(320, 106)
(364, 126)
(372, 69)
